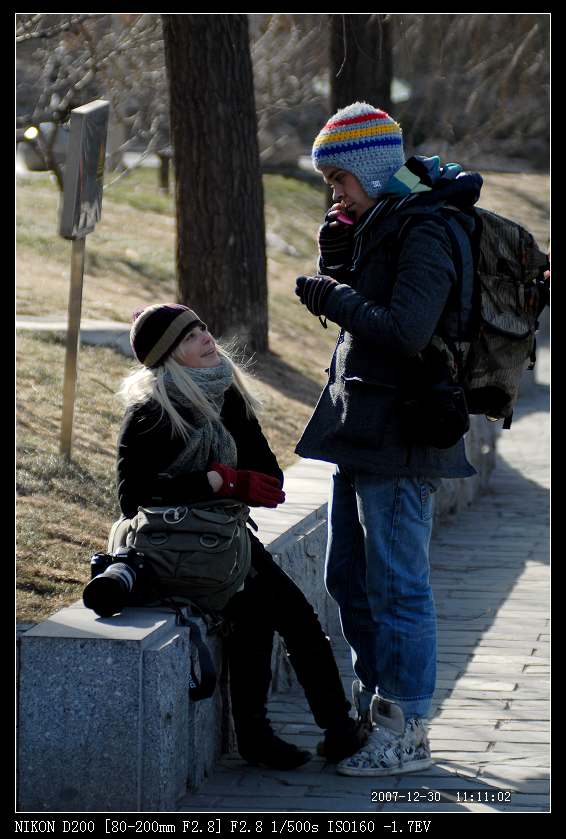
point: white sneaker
(394, 746)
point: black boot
(266, 749)
(343, 740)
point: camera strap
(203, 688)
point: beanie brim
(157, 332)
(362, 140)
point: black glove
(335, 241)
(314, 291)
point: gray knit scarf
(209, 440)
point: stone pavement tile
(452, 659)
(454, 731)
(238, 804)
(462, 718)
(517, 635)
(527, 750)
(516, 721)
(300, 728)
(535, 801)
(491, 701)
(537, 647)
(305, 741)
(511, 771)
(343, 784)
(540, 709)
(534, 760)
(436, 808)
(455, 759)
(444, 782)
(509, 670)
(328, 804)
(464, 808)
(461, 693)
(477, 684)
(522, 678)
(286, 716)
(484, 781)
(524, 725)
(288, 706)
(526, 787)
(447, 745)
(476, 735)
(447, 674)
(495, 658)
(529, 660)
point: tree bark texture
(221, 261)
(361, 60)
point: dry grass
(65, 510)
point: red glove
(253, 488)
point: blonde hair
(145, 383)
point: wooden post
(73, 337)
(80, 210)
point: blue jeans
(377, 570)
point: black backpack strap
(204, 688)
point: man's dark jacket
(389, 306)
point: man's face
(347, 190)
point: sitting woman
(190, 433)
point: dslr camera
(115, 578)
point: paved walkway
(490, 729)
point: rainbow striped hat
(364, 141)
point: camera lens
(107, 593)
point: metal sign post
(80, 211)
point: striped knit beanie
(157, 330)
(364, 141)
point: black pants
(271, 602)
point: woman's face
(347, 190)
(197, 349)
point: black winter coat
(388, 306)
(146, 449)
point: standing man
(388, 279)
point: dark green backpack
(509, 293)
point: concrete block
(105, 722)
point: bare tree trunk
(361, 60)
(221, 262)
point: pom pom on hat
(158, 329)
(362, 140)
